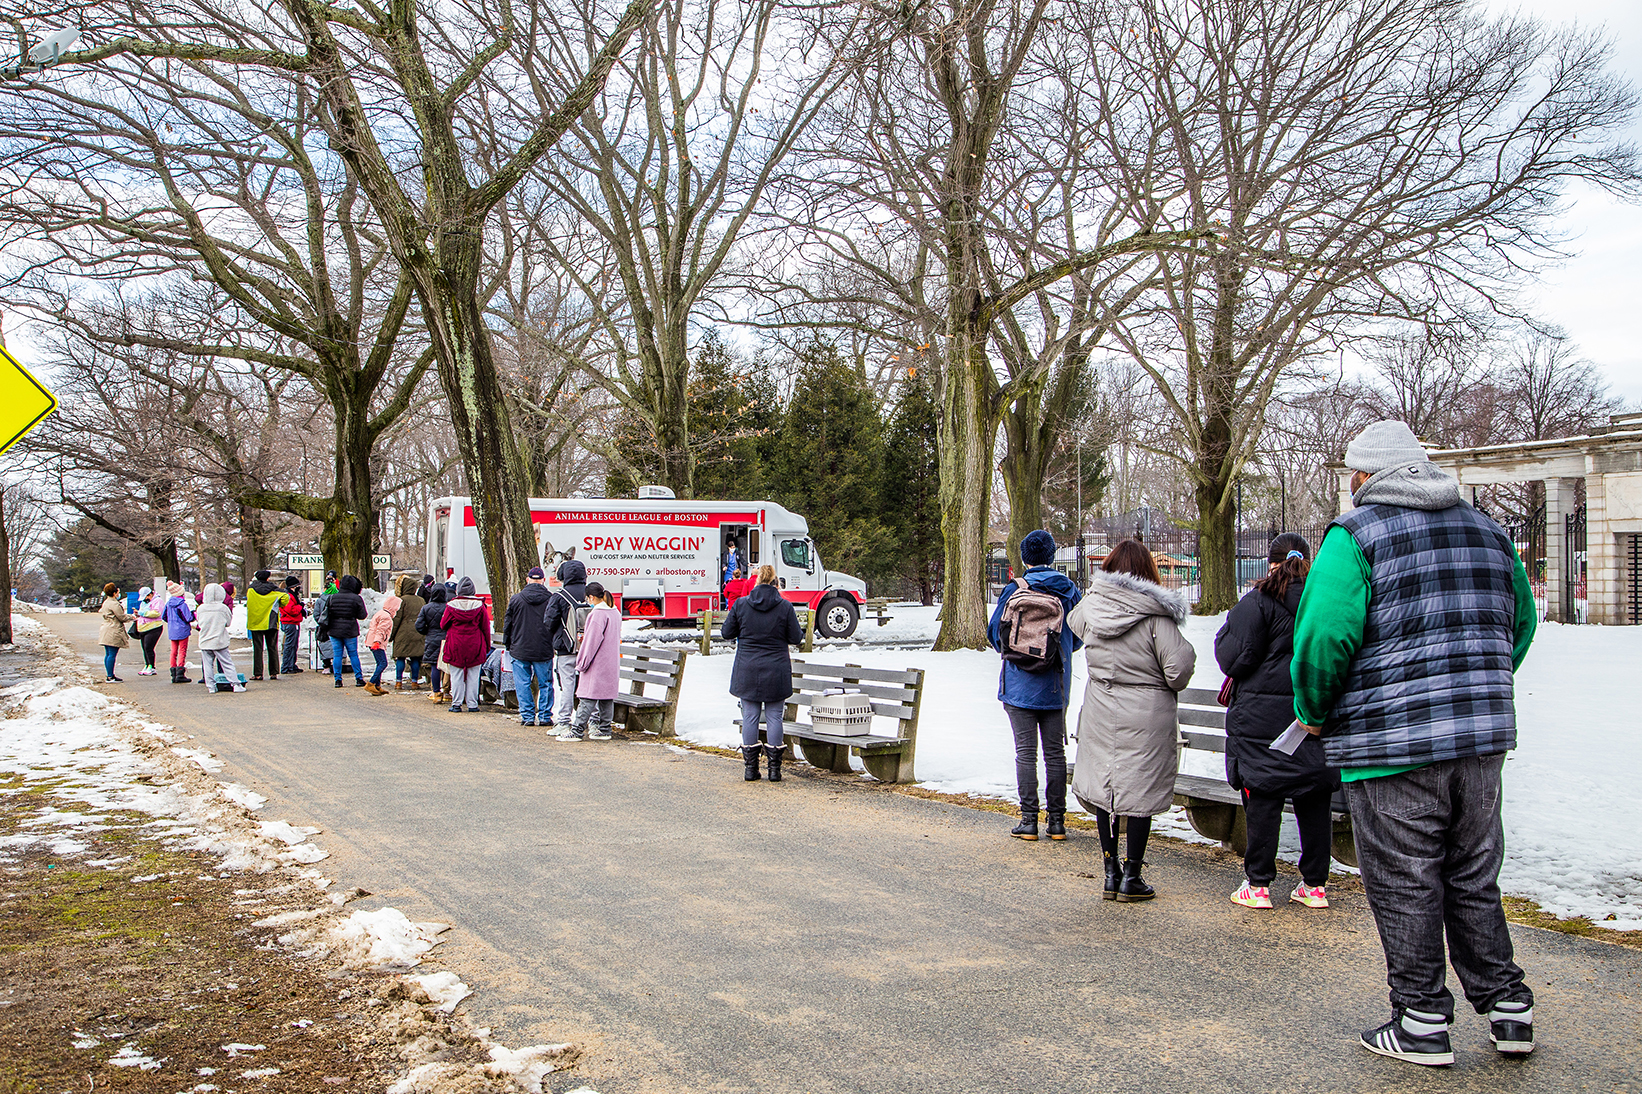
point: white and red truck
(663, 558)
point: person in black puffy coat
(762, 624)
(1254, 649)
(433, 636)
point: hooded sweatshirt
(381, 628)
(260, 603)
(1416, 613)
(466, 624)
(1038, 690)
(214, 616)
(149, 606)
(346, 608)
(572, 593)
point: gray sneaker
(598, 735)
(568, 735)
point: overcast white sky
(1597, 295)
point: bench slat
(1207, 742)
(809, 733)
(647, 677)
(1214, 790)
(855, 672)
(897, 711)
(1193, 716)
(630, 700)
(1201, 697)
(876, 691)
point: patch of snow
(526, 1066)
(244, 796)
(238, 1049)
(444, 989)
(131, 1056)
(260, 1073)
(285, 832)
(383, 938)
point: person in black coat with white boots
(763, 624)
(1254, 649)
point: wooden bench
(895, 696)
(1214, 809)
(656, 666)
(877, 608)
(707, 620)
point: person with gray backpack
(1029, 629)
(564, 620)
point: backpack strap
(1020, 582)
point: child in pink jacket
(598, 668)
(378, 634)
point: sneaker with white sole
(1413, 1037)
(567, 735)
(1312, 896)
(598, 735)
(1511, 1028)
(1252, 896)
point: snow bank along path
(96, 756)
(1573, 787)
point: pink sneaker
(1309, 896)
(1252, 896)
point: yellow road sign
(24, 401)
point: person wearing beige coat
(112, 634)
(1128, 731)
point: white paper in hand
(1290, 738)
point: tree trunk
(5, 576)
(478, 410)
(164, 548)
(346, 538)
(1216, 551)
(1024, 467)
(969, 426)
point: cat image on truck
(662, 558)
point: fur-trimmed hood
(1116, 602)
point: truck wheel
(837, 618)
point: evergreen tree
(829, 462)
(909, 491)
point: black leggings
(150, 640)
(1140, 829)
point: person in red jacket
(737, 588)
(467, 625)
(291, 614)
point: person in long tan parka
(1129, 733)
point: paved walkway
(697, 933)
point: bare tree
(161, 171)
(1551, 391)
(393, 88)
(1363, 159)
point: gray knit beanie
(1383, 445)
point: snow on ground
(95, 755)
(1573, 787)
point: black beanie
(1038, 548)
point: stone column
(1559, 503)
(1602, 562)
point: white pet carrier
(843, 714)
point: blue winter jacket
(1039, 690)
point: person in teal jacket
(1416, 613)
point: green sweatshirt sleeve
(1329, 627)
(1527, 615)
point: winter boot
(375, 689)
(1027, 829)
(1057, 826)
(1131, 888)
(1114, 878)
(173, 674)
(773, 754)
(749, 755)
(399, 685)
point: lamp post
(46, 53)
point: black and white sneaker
(1417, 1038)
(1511, 1028)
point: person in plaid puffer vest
(1416, 613)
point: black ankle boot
(1057, 826)
(1131, 888)
(1027, 829)
(773, 754)
(1114, 877)
(750, 756)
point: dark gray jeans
(1429, 844)
(1031, 726)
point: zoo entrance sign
(317, 562)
